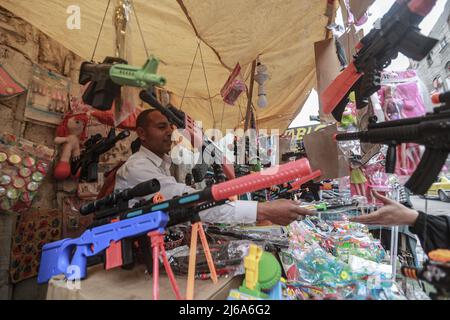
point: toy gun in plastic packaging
(431, 130)
(397, 32)
(191, 131)
(290, 189)
(436, 271)
(95, 146)
(106, 79)
(69, 256)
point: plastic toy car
(440, 189)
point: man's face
(156, 136)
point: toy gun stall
(95, 146)
(431, 130)
(69, 256)
(397, 32)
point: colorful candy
(14, 159)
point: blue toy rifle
(68, 255)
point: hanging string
(100, 32)
(189, 77)
(221, 120)
(207, 87)
(140, 30)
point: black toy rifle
(95, 146)
(397, 32)
(431, 130)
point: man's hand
(392, 214)
(281, 211)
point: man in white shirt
(152, 162)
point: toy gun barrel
(221, 192)
(148, 97)
(142, 189)
(109, 142)
(398, 134)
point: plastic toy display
(24, 166)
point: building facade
(434, 70)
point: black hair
(142, 119)
(141, 122)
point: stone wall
(21, 45)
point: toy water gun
(397, 32)
(436, 271)
(95, 146)
(191, 131)
(431, 130)
(262, 277)
(107, 77)
(61, 256)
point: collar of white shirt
(165, 162)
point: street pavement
(435, 207)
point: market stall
(260, 217)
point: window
(443, 44)
(429, 60)
(437, 83)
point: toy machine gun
(397, 32)
(95, 146)
(105, 79)
(436, 271)
(69, 256)
(431, 130)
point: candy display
(24, 166)
(336, 260)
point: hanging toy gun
(191, 131)
(397, 32)
(107, 77)
(69, 256)
(435, 271)
(95, 146)
(431, 130)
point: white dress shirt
(145, 165)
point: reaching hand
(392, 214)
(281, 211)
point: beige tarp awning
(280, 32)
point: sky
(377, 10)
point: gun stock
(57, 256)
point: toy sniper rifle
(106, 80)
(95, 146)
(397, 32)
(431, 130)
(69, 256)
